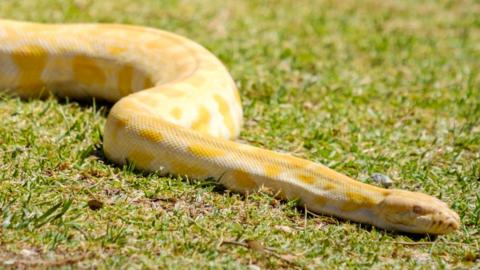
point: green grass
(363, 87)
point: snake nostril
(455, 225)
(451, 225)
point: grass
(363, 87)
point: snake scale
(177, 111)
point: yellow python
(176, 111)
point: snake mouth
(426, 225)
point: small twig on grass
(420, 243)
(257, 246)
(54, 263)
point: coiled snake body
(176, 111)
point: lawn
(365, 87)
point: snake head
(416, 213)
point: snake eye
(417, 209)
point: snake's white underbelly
(176, 110)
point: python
(177, 110)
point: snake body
(177, 111)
